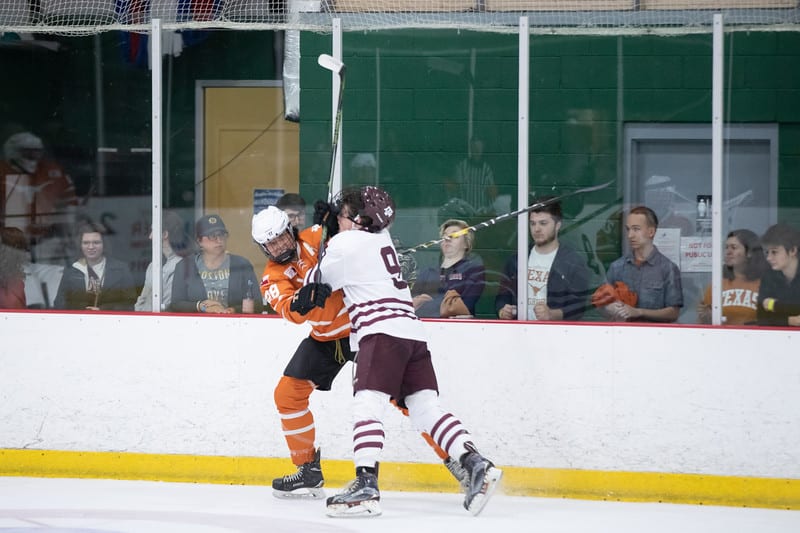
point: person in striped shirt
(474, 180)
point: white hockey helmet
(271, 226)
(24, 149)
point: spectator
(38, 197)
(454, 288)
(558, 279)
(13, 256)
(95, 282)
(41, 284)
(40, 280)
(741, 277)
(213, 280)
(295, 208)
(779, 295)
(647, 273)
(363, 169)
(174, 247)
(473, 180)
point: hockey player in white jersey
(393, 358)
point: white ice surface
(29, 505)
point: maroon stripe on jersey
(385, 304)
(355, 316)
(365, 323)
(382, 301)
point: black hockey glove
(325, 214)
(310, 296)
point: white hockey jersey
(366, 267)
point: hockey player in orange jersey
(319, 357)
(38, 197)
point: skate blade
(490, 483)
(300, 494)
(365, 509)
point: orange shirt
(280, 282)
(12, 296)
(739, 300)
(34, 202)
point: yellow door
(248, 145)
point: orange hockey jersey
(280, 282)
(36, 202)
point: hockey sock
(297, 421)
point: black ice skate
(483, 480)
(306, 483)
(458, 472)
(360, 498)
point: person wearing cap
(213, 280)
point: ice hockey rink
(112, 506)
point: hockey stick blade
(329, 62)
(505, 216)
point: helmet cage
(288, 246)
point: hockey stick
(337, 67)
(506, 216)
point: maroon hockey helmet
(370, 207)
(378, 208)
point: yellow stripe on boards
(699, 489)
(540, 482)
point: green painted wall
(413, 98)
(583, 89)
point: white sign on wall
(695, 254)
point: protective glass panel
(76, 150)
(760, 205)
(603, 110)
(430, 116)
(229, 151)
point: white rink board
(594, 396)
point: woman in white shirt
(174, 247)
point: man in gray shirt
(654, 279)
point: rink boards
(667, 413)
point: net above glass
(545, 16)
